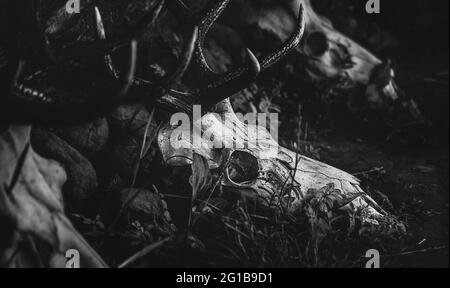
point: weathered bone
(280, 177)
(331, 61)
(331, 56)
(276, 176)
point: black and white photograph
(241, 136)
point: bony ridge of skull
(273, 174)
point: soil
(416, 182)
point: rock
(81, 184)
(128, 124)
(124, 156)
(89, 138)
(130, 120)
(144, 203)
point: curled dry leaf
(31, 206)
(200, 175)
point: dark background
(414, 34)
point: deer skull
(259, 167)
(331, 61)
(249, 158)
(331, 56)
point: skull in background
(331, 56)
(331, 61)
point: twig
(439, 248)
(18, 169)
(374, 170)
(143, 252)
(143, 150)
(13, 255)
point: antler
(134, 32)
(23, 102)
(217, 87)
(158, 87)
(220, 87)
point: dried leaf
(200, 175)
(31, 202)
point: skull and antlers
(67, 91)
(272, 177)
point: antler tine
(101, 35)
(211, 15)
(127, 79)
(233, 82)
(290, 44)
(134, 32)
(161, 86)
(182, 101)
(188, 51)
(204, 20)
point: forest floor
(408, 178)
(415, 182)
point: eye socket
(242, 168)
(316, 44)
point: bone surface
(275, 167)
